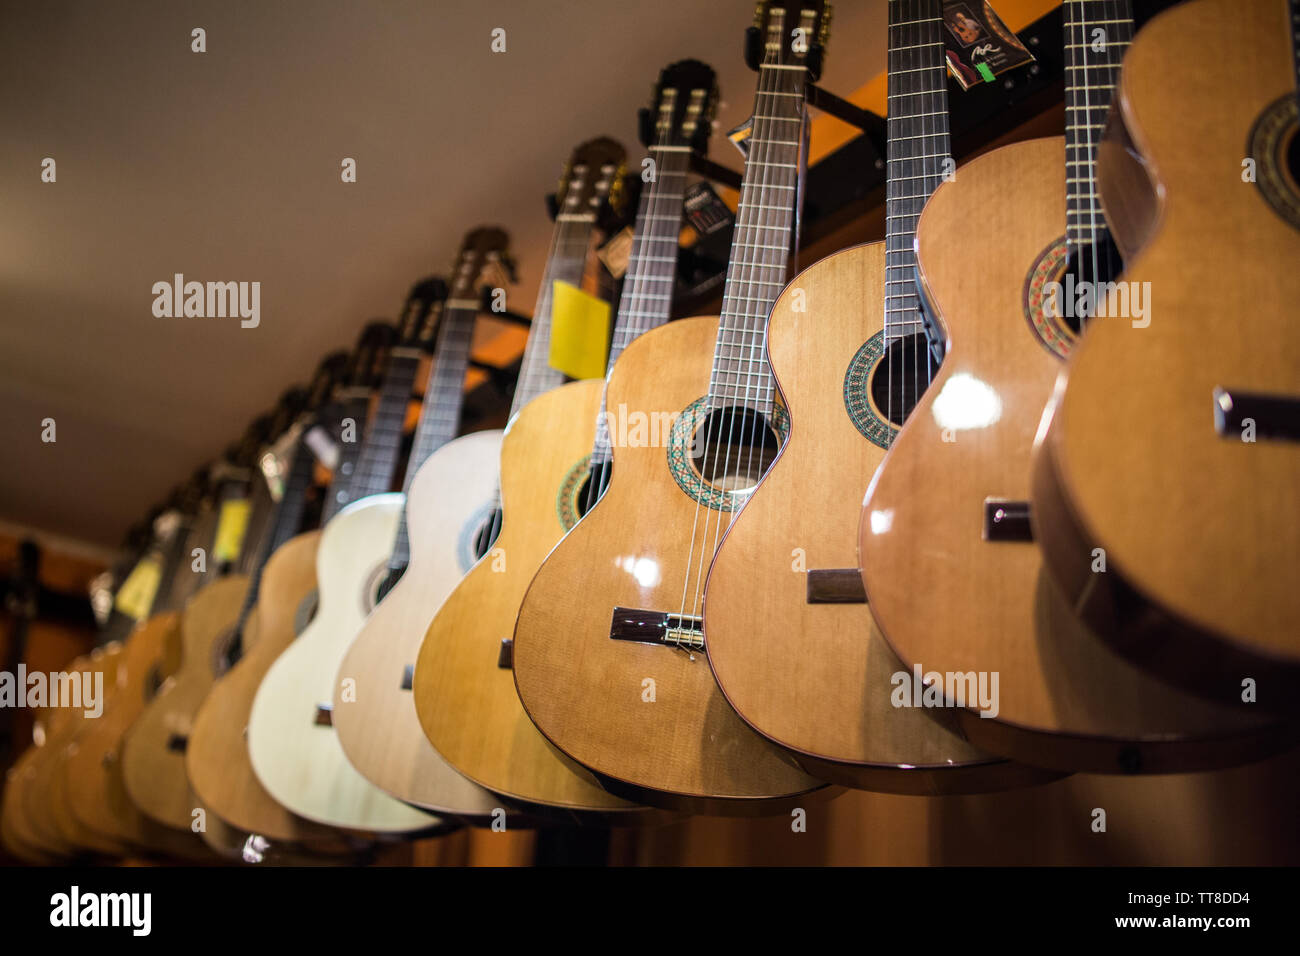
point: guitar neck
(1097, 35)
(647, 298)
(917, 151)
(565, 263)
(760, 249)
(382, 447)
(444, 396)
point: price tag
(232, 523)
(135, 596)
(579, 332)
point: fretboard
(565, 263)
(444, 396)
(382, 448)
(1097, 35)
(761, 243)
(647, 297)
(343, 482)
(917, 149)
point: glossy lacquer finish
(673, 740)
(817, 678)
(451, 497)
(949, 599)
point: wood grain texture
(467, 705)
(816, 678)
(20, 835)
(153, 771)
(217, 759)
(297, 759)
(1066, 700)
(584, 690)
(378, 729)
(92, 768)
(1201, 532)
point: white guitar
(291, 741)
(451, 511)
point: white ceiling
(225, 166)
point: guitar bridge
(657, 627)
(1238, 413)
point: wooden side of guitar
(16, 832)
(1200, 530)
(92, 771)
(585, 691)
(816, 678)
(377, 725)
(466, 703)
(216, 759)
(951, 601)
(152, 769)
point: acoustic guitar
(608, 652)
(1170, 455)
(91, 770)
(294, 750)
(153, 750)
(438, 530)
(279, 601)
(949, 505)
(790, 638)
(464, 692)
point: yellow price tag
(135, 596)
(579, 332)
(231, 525)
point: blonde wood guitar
(1172, 446)
(217, 758)
(949, 593)
(674, 741)
(449, 501)
(827, 695)
(465, 699)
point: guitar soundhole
(1094, 263)
(901, 376)
(1293, 160)
(487, 533)
(733, 447)
(593, 486)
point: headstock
(481, 251)
(682, 106)
(291, 404)
(366, 363)
(420, 314)
(789, 34)
(331, 372)
(593, 180)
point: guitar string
(727, 366)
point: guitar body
(449, 500)
(153, 750)
(92, 772)
(1065, 699)
(17, 833)
(46, 799)
(1200, 530)
(585, 691)
(466, 703)
(827, 698)
(216, 759)
(294, 750)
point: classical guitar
(464, 692)
(443, 527)
(608, 649)
(848, 353)
(291, 741)
(153, 750)
(92, 768)
(949, 505)
(1170, 456)
(276, 604)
